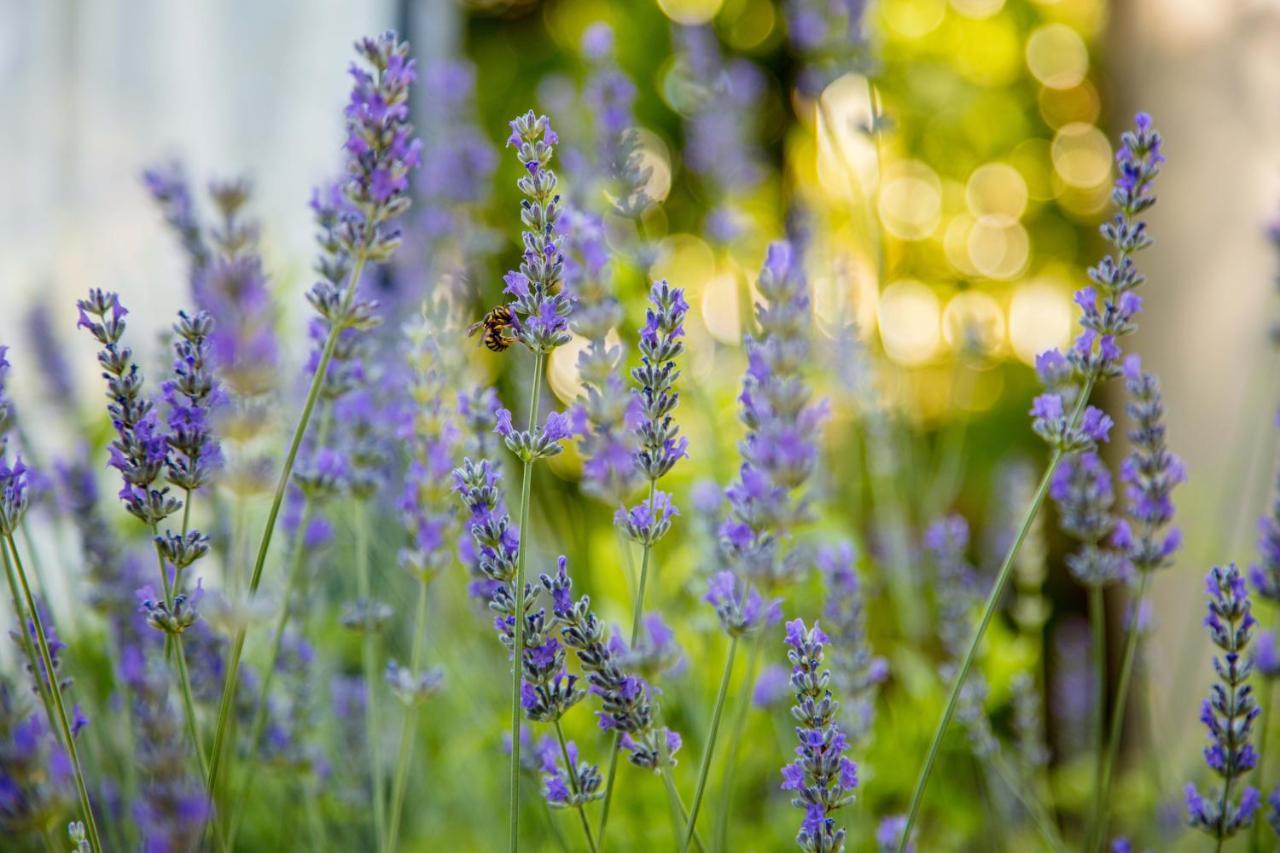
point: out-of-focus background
(1003, 118)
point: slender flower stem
(409, 726)
(674, 794)
(55, 691)
(572, 770)
(1222, 810)
(1117, 715)
(517, 595)
(1097, 621)
(988, 611)
(709, 748)
(24, 639)
(268, 674)
(637, 619)
(1255, 837)
(237, 645)
(180, 661)
(735, 740)
(370, 669)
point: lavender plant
(381, 151)
(1062, 415)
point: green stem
(370, 669)
(993, 600)
(55, 691)
(709, 748)
(1255, 839)
(24, 639)
(409, 727)
(572, 770)
(237, 645)
(735, 740)
(637, 619)
(517, 595)
(674, 794)
(1097, 621)
(268, 674)
(1117, 715)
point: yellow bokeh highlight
(721, 306)
(752, 26)
(1057, 56)
(914, 19)
(910, 201)
(977, 9)
(908, 313)
(1040, 318)
(846, 104)
(690, 12)
(656, 159)
(1059, 107)
(998, 247)
(996, 189)
(684, 260)
(988, 52)
(1081, 155)
(973, 322)
(562, 369)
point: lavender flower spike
(539, 305)
(822, 777)
(1229, 712)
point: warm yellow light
(690, 11)
(722, 307)
(908, 315)
(977, 9)
(1039, 318)
(562, 369)
(998, 247)
(955, 243)
(848, 292)
(846, 102)
(1057, 56)
(910, 200)
(752, 25)
(996, 189)
(655, 158)
(914, 18)
(1081, 155)
(973, 322)
(686, 261)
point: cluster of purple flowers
(721, 101)
(1061, 415)
(610, 97)
(855, 669)
(1082, 489)
(1149, 472)
(780, 448)
(627, 700)
(830, 37)
(822, 777)
(540, 305)
(35, 775)
(1229, 712)
(381, 148)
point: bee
(495, 325)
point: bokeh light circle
(1040, 318)
(908, 315)
(910, 201)
(1057, 56)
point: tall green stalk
(709, 748)
(409, 726)
(1255, 838)
(1098, 625)
(572, 770)
(637, 619)
(735, 740)
(517, 595)
(55, 691)
(237, 645)
(988, 611)
(368, 652)
(1117, 715)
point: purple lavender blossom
(51, 358)
(169, 186)
(539, 305)
(381, 148)
(1081, 488)
(822, 777)
(1110, 309)
(1149, 473)
(610, 98)
(541, 442)
(626, 698)
(194, 451)
(855, 669)
(773, 684)
(780, 448)
(1229, 712)
(35, 773)
(739, 606)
